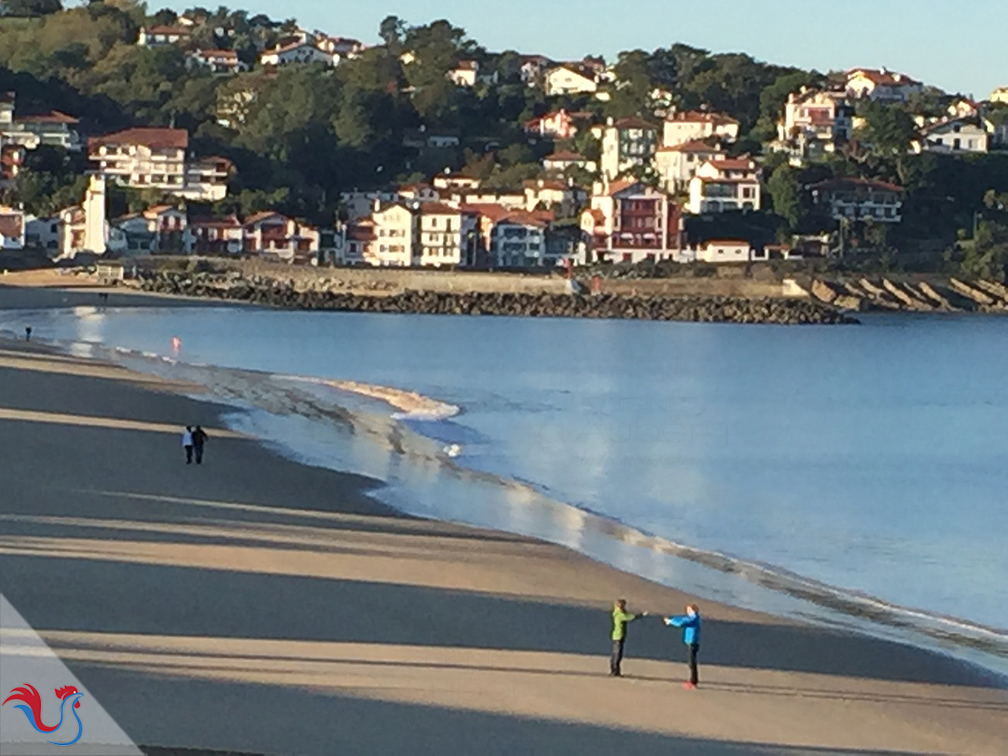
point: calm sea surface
(831, 472)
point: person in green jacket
(620, 618)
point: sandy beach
(258, 605)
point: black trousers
(188, 455)
(617, 656)
(694, 649)
(199, 454)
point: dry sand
(254, 604)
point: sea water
(856, 475)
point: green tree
(786, 194)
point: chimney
(609, 121)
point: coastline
(527, 598)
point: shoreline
(846, 663)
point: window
(957, 144)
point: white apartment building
(725, 185)
(953, 135)
(692, 125)
(564, 80)
(626, 144)
(860, 199)
(395, 241)
(149, 158)
(823, 116)
(882, 85)
(447, 235)
(678, 164)
(295, 52)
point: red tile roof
(696, 116)
(179, 30)
(882, 77)
(565, 156)
(850, 183)
(263, 215)
(550, 184)
(633, 123)
(166, 138)
(438, 208)
(229, 54)
(54, 116)
(694, 145)
(230, 221)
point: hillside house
(157, 36)
(626, 144)
(216, 236)
(464, 74)
(568, 80)
(881, 85)
(725, 185)
(562, 160)
(677, 165)
(150, 158)
(28, 131)
(217, 61)
(274, 236)
(859, 199)
(693, 125)
(629, 221)
(294, 52)
(999, 95)
(563, 197)
(953, 135)
(558, 124)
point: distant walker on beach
(199, 438)
(187, 443)
(620, 618)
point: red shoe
(689, 686)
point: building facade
(725, 185)
(627, 144)
(954, 135)
(447, 235)
(629, 221)
(677, 165)
(860, 200)
(882, 85)
(149, 158)
(692, 125)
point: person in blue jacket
(690, 623)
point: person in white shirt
(187, 444)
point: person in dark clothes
(690, 623)
(199, 438)
(187, 443)
(27, 333)
(620, 618)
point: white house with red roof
(295, 52)
(513, 238)
(274, 236)
(677, 165)
(465, 73)
(857, 199)
(395, 235)
(723, 251)
(683, 126)
(216, 236)
(163, 35)
(630, 221)
(561, 160)
(568, 80)
(882, 85)
(218, 61)
(725, 185)
(558, 124)
(155, 158)
(953, 136)
(28, 131)
(561, 196)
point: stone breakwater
(271, 292)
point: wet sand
(255, 604)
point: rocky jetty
(957, 296)
(232, 286)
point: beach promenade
(256, 605)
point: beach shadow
(323, 724)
